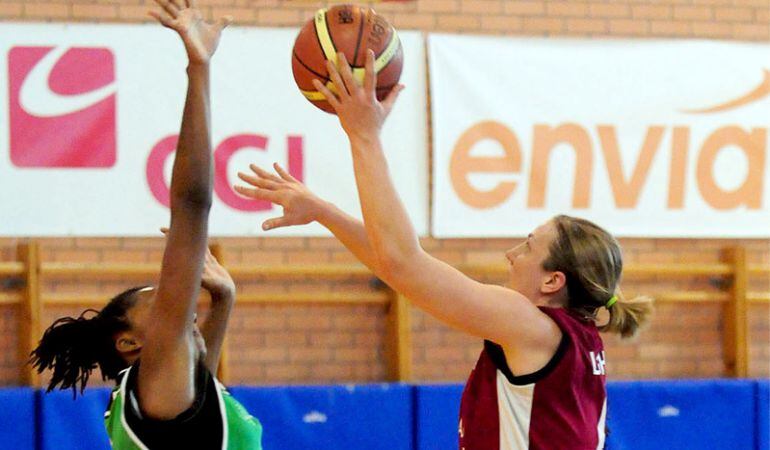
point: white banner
(91, 112)
(647, 138)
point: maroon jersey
(561, 406)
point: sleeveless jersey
(215, 421)
(561, 406)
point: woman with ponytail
(539, 382)
(147, 338)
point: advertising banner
(91, 116)
(647, 138)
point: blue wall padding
(371, 417)
(731, 414)
(763, 414)
(437, 410)
(17, 418)
(67, 424)
(681, 415)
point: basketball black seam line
(324, 77)
(360, 33)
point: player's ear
(552, 282)
(127, 343)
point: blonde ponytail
(628, 316)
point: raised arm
(216, 280)
(166, 376)
(488, 311)
(300, 206)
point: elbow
(394, 262)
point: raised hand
(300, 206)
(215, 278)
(357, 107)
(200, 37)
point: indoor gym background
(308, 315)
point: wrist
(320, 209)
(194, 66)
(323, 211)
(368, 138)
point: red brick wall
(723, 19)
(272, 344)
(292, 344)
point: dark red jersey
(561, 406)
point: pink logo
(222, 156)
(62, 107)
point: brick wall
(723, 19)
(291, 344)
(272, 344)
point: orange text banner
(648, 138)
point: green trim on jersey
(241, 431)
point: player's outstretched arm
(216, 280)
(165, 385)
(491, 312)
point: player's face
(525, 261)
(139, 314)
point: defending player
(540, 380)
(147, 338)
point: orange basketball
(352, 30)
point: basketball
(352, 30)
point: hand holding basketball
(200, 38)
(351, 30)
(360, 112)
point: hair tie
(611, 302)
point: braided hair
(74, 346)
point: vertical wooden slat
(223, 369)
(30, 310)
(399, 342)
(735, 337)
